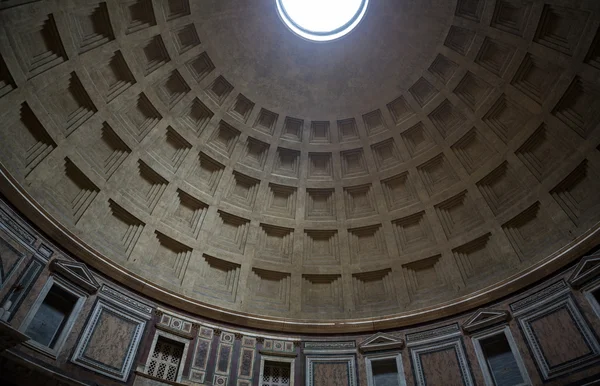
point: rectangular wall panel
(331, 370)
(559, 337)
(110, 341)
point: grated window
(165, 360)
(276, 374)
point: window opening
(166, 359)
(276, 374)
(501, 361)
(51, 317)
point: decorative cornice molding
(381, 342)
(483, 318)
(278, 353)
(77, 273)
(587, 269)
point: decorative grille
(165, 360)
(276, 374)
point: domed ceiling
(443, 154)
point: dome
(441, 155)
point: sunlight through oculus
(322, 20)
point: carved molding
(381, 342)
(587, 269)
(483, 318)
(77, 273)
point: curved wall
(109, 340)
(140, 135)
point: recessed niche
(459, 39)
(398, 191)
(112, 76)
(185, 38)
(353, 163)
(417, 139)
(176, 8)
(91, 27)
(270, 289)
(138, 14)
(243, 190)
(367, 244)
(386, 154)
(69, 103)
(145, 187)
(423, 91)
(7, 83)
(200, 66)
(413, 232)
(360, 201)
(255, 153)
(443, 68)
(292, 129)
(230, 232)
(170, 257)
(171, 89)
(140, 117)
(171, 149)
(218, 279)
(511, 16)
(322, 293)
(281, 201)
(501, 188)
(205, 174)
(473, 90)
(400, 110)
(470, 9)
(219, 90)
(26, 139)
(374, 122)
(37, 44)
(495, 56)
(319, 132)
(320, 204)
(320, 166)
(321, 247)
(536, 77)
(152, 54)
(527, 232)
(473, 150)
(347, 130)
(437, 174)
(506, 118)
(196, 116)
(187, 213)
(266, 121)
(275, 244)
(104, 150)
(287, 162)
(458, 215)
(447, 118)
(374, 290)
(241, 108)
(560, 28)
(223, 139)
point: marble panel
(110, 341)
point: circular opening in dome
(321, 20)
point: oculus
(321, 20)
